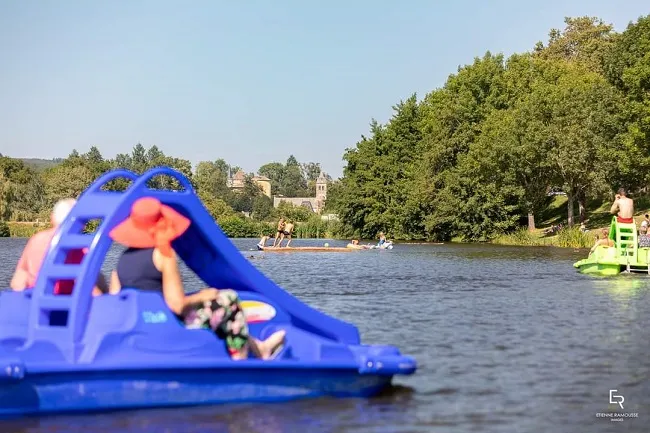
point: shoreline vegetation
(516, 150)
(233, 228)
(597, 218)
(565, 238)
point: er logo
(616, 398)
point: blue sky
(247, 81)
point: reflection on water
(624, 286)
(507, 339)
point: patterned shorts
(226, 318)
(644, 241)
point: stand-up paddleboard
(305, 249)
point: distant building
(264, 183)
(238, 181)
(315, 204)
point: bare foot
(270, 344)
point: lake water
(507, 339)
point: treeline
(28, 194)
(482, 155)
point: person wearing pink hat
(150, 263)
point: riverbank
(565, 238)
(21, 229)
(598, 217)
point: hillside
(39, 164)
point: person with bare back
(288, 231)
(279, 233)
(623, 208)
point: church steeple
(321, 190)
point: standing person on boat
(288, 231)
(31, 260)
(623, 208)
(382, 239)
(279, 233)
(149, 263)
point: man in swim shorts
(280, 232)
(623, 208)
(288, 230)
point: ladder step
(70, 241)
(63, 272)
(51, 332)
(54, 302)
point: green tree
(584, 40)
(139, 162)
(211, 178)
(69, 179)
(451, 122)
(292, 212)
(275, 172)
(21, 191)
(333, 196)
(262, 207)
(293, 184)
(217, 208)
(628, 68)
(4, 228)
(579, 108)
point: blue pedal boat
(69, 353)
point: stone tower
(321, 191)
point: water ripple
(507, 340)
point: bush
(521, 237)
(314, 227)
(294, 213)
(4, 230)
(18, 230)
(574, 238)
(566, 238)
(237, 227)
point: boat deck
(628, 255)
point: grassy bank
(597, 217)
(20, 229)
(565, 238)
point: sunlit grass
(565, 238)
